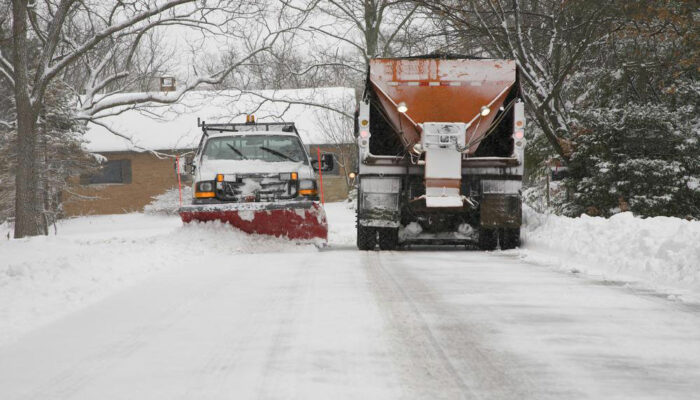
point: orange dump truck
(441, 153)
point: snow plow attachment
(298, 220)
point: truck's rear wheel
(366, 237)
(510, 238)
(388, 238)
(488, 239)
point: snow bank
(661, 253)
(169, 202)
(45, 278)
(5, 231)
(341, 224)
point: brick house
(141, 167)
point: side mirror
(185, 166)
(189, 164)
(327, 163)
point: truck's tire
(510, 238)
(388, 238)
(366, 237)
(488, 239)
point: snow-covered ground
(45, 278)
(659, 253)
(138, 306)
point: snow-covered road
(273, 321)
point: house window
(113, 171)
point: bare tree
(368, 26)
(104, 41)
(333, 49)
(339, 132)
(342, 36)
(547, 38)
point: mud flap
(501, 211)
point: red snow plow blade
(298, 220)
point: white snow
(171, 127)
(660, 253)
(45, 278)
(411, 230)
(169, 202)
(249, 187)
(247, 215)
(249, 166)
(341, 224)
(161, 311)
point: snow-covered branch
(95, 106)
(130, 140)
(6, 68)
(301, 101)
(48, 70)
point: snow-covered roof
(173, 127)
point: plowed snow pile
(660, 253)
(45, 278)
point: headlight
(205, 187)
(307, 188)
(204, 190)
(289, 176)
(307, 184)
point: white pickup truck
(259, 178)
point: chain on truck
(441, 152)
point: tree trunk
(45, 185)
(28, 207)
(371, 29)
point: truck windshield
(270, 148)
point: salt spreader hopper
(259, 178)
(441, 152)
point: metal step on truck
(441, 153)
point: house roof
(174, 126)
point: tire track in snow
(223, 360)
(426, 369)
(447, 363)
(283, 334)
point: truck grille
(254, 188)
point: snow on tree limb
(47, 71)
(108, 102)
(6, 69)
